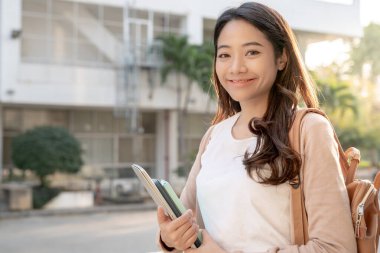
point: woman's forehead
(241, 32)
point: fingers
(190, 232)
(190, 250)
(192, 236)
(186, 217)
(183, 228)
(179, 233)
(161, 216)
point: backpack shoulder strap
(299, 225)
(295, 142)
(376, 181)
(299, 216)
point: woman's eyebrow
(223, 46)
(251, 43)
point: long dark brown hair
(292, 86)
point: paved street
(132, 232)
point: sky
(369, 11)
(324, 53)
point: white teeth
(240, 81)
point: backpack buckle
(295, 182)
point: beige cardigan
(330, 227)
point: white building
(61, 64)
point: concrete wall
(10, 48)
(71, 200)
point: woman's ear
(282, 60)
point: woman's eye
(252, 53)
(223, 55)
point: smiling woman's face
(246, 65)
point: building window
(145, 26)
(106, 143)
(137, 149)
(194, 128)
(165, 23)
(65, 32)
(12, 119)
(208, 29)
(83, 122)
(97, 150)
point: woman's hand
(180, 233)
(208, 245)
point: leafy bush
(46, 150)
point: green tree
(337, 98)
(46, 150)
(335, 95)
(191, 61)
(367, 51)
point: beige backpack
(363, 195)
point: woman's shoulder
(315, 120)
(228, 122)
(314, 126)
(220, 127)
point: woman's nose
(238, 65)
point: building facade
(66, 63)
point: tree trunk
(187, 98)
(23, 174)
(373, 157)
(43, 181)
(11, 174)
(182, 121)
(180, 118)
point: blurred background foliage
(348, 93)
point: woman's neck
(251, 110)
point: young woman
(239, 187)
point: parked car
(122, 184)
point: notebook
(163, 195)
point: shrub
(46, 150)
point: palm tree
(334, 94)
(192, 61)
(175, 51)
(199, 70)
(337, 98)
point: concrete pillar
(1, 141)
(166, 144)
(161, 144)
(173, 143)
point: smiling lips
(241, 82)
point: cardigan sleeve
(326, 199)
(188, 195)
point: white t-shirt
(239, 213)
